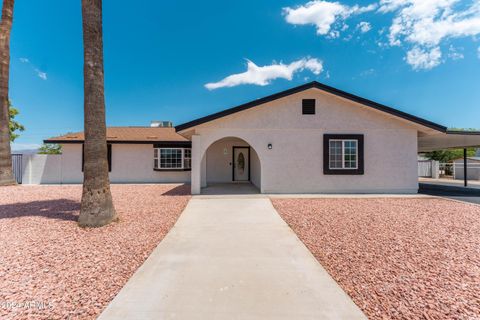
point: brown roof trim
(118, 142)
(141, 135)
(317, 85)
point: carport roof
(449, 139)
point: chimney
(161, 124)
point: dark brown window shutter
(308, 106)
(109, 157)
(83, 157)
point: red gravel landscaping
(397, 258)
(52, 269)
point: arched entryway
(230, 165)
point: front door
(241, 164)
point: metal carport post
(465, 180)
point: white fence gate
(425, 168)
(17, 167)
(428, 169)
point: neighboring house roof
(127, 135)
(320, 86)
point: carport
(450, 139)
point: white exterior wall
(295, 163)
(131, 163)
(256, 170)
(39, 168)
(219, 164)
(72, 163)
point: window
(343, 154)
(308, 106)
(172, 158)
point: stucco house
(308, 139)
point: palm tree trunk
(6, 173)
(97, 208)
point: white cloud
(426, 24)
(364, 26)
(333, 34)
(424, 59)
(42, 75)
(263, 76)
(422, 28)
(367, 73)
(391, 5)
(454, 54)
(324, 15)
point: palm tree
(97, 208)
(6, 173)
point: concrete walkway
(231, 258)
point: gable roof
(310, 85)
(126, 135)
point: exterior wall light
(270, 146)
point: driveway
(231, 258)
(470, 194)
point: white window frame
(157, 158)
(343, 154)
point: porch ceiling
(449, 139)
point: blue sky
(422, 57)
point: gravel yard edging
(53, 269)
(396, 258)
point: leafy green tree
(50, 148)
(449, 154)
(13, 125)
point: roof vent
(161, 124)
